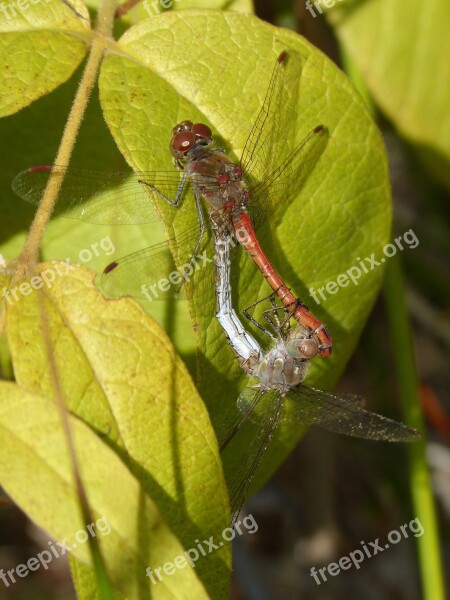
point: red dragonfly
(238, 196)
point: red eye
(202, 130)
(308, 349)
(183, 126)
(183, 141)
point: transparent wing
(272, 180)
(102, 197)
(288, 178)
(343, 414)
(232, 424)
(258, 154)
(152, 274)
(251, 435)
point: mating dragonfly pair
(239, 197)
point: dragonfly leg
(175, 203)
(201, 221)
(179, 193)
(252, 320)
(259, 326)
(281, 326)
(271, 314)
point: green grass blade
(421, 492)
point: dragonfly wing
(259, 149)
(288, 178)
(101, 197)
(151, 273)
(343, 414)
(265, 408)
(232, 424)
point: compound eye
(183, 126)
(308, 349)
(183, 141)
(202, 131)
(302, 349)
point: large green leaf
(152, 8)
(343, 214)
(121, 375)
(402, 49)
(36, 472)
(41, 44)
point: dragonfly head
(300, 346)
(187, 136)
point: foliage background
(332, 492)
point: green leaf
(234, 5)
(152, 8)
(41, 44)
(121, 375)
(342, 215)
(35, 471)
(402, 50)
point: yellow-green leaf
(121, 375)
(35, 471)
(402, 49)
(41, 44)
(152, 8)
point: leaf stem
(102, 35)
(125, 7)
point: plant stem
(102, 35)
(125, 7)
(408, 390)
(27, 260)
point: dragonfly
(243, 195)
(280, 395)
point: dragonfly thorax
(216, 178)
